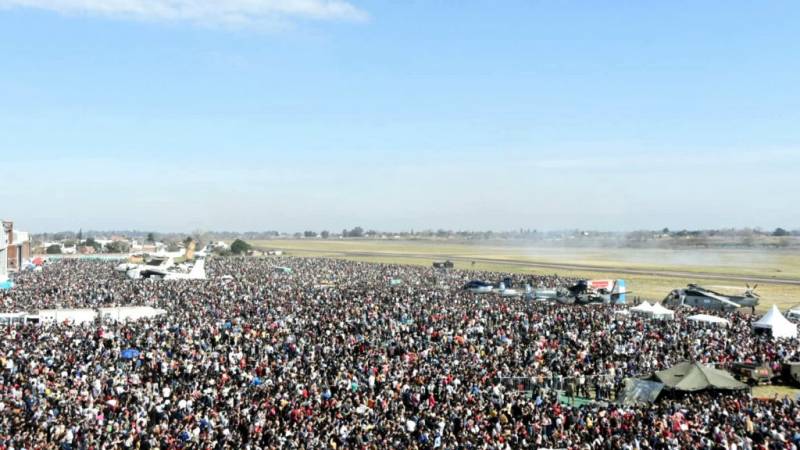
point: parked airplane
(198, 272)
(582, 293)
(134, 271)
(507, 291)
(483, 287)
(161, 268)
(479, 287)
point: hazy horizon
(419, 232)
(288, 115)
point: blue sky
(296, 114)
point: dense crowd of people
(341, 354)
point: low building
(18, 245)
(219, 245)
(3, 258)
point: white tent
(644, 308)
(780, 326)
(660, 312)
(706, 318)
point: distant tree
(90, 242)
(309, 234)
(54, 250)
(117, 247)
(69, 243)
(239, 247)
(345, 233)
(780, 232)
(151, 238)
(80, 235)
(665, 230)
(372, 233)
(173, 247)
(187, 240)
(325, 234)
(356, 232)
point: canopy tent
(692, 376)
(660, 312)
(774, 321)
(644, 308)
(707, 318)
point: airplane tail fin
(619, 291)
(199, 269)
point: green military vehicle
(751, 373)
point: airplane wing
(198, 272)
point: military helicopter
(580, 293)
(698, 296)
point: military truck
(751, 373)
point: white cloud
(207, 12)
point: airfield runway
(575, 267)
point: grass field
(775, 391)
(693, 264)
